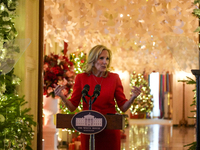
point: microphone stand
(92, 137)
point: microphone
(97, 90)
(85, 90)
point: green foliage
(191, 81)
(79, 60)
(196, 1)
(197, 29)
(192, 146)
(9, 80)
(16, 124)
(196, 13)
(7, 17)
(15, 121)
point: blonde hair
(93, 57)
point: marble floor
(156, 134)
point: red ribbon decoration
(65, 48)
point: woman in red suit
(97, 72)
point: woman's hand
(58, 90)
(136, 91)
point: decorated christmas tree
(79, 60)
(16, 125)
(143, 103)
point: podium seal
(89, 122)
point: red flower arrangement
(58, 70)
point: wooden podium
(114, 121)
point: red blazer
(111, 90)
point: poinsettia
(58, 70)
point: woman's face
(102, 62)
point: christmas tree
(79, 60)
(143, 103)
(15, 123)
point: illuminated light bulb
(142, 21)
(2, 7)
(143, 46)
(121, 15)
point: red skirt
(105, 140)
